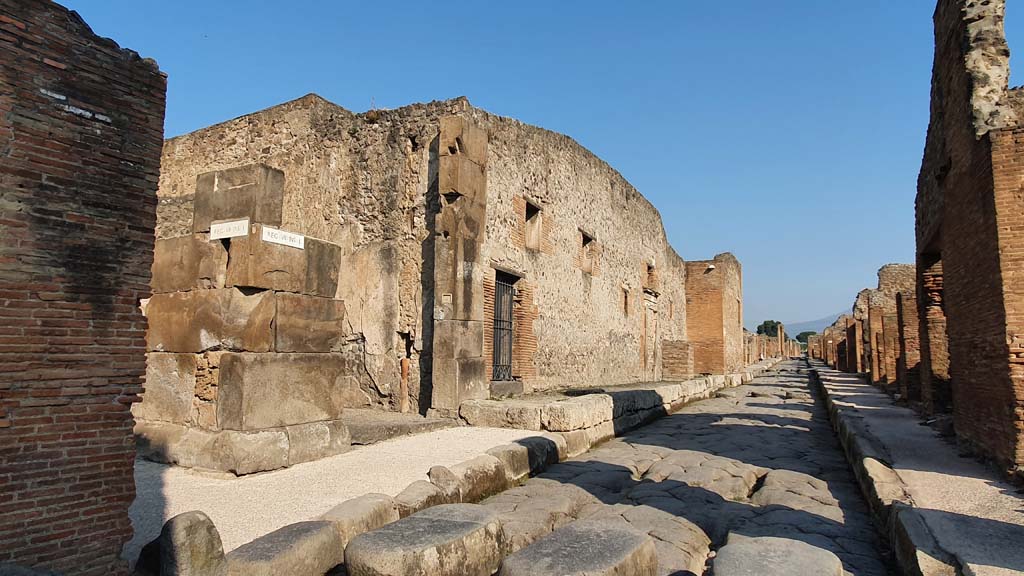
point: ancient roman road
(758, 460)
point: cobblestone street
(758, 460)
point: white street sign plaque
(229, 229)
(275, 236)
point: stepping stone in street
(586, 548)
(769, 556)
(446, 540)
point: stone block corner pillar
(458, 371)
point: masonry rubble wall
(427, 207)
(82, 127)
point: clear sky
(789, 132)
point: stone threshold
(309, 548)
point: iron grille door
(504, 297)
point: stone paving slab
(945, 512)
(762, 462)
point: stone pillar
(458, 334)
(936, 394)
(81, 134)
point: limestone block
(577, 413)
(459, 339)
(446, 540)
(169, 388)
(419, 495)
(191, 546)
(545, 450)
(254, 191)
(628, 401)
(206, 319)
(476, 479)
(188, 263)
(515, 458)
(311, 270)
(769, 556)
(600, 433)
(243, 452)
(457, 380)
(576, 442)
(460, 136)
(259, 391)
(586, 548)
(302, 548)
(363, 514)
(315, 440)
(309, 323)
(501, 414)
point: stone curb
(587, 420)
(497, 470)
(897, 519)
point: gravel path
(760, 460)
(248, 507)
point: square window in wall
(588, 248)
(533, 226)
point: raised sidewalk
(943, 513)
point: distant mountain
(794, 328)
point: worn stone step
(372, 426)
(446, 540)
(586, 549)
(302, 549)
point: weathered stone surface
(207, 319)
(544, 450)
(358, 515)
(476, 479)
(190, 546)
(310, 548)
(515, 458)
(309, 323)
(169, 388)
(255, 191)
(315, 440)
(447, 540)
(502, 414)
(769, 556)
(585, 549)
(576, 442)
(188, 263)
(312, 270)
(225, 450)
(577, 413)
(420, 495)
(259, 391)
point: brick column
(82, 130)
(935, 387)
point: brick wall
(909, 367)
(79, 162)
(969, 215)
(714, 314)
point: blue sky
(789, 133)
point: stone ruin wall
(581, 315)
(79, 161)
(356, 181)
(360, 181)
(969, 215)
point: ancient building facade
(459, 255)
(969, 213)
(82, 133)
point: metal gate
(504, 298)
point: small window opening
(587, 248)
(533, 226)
